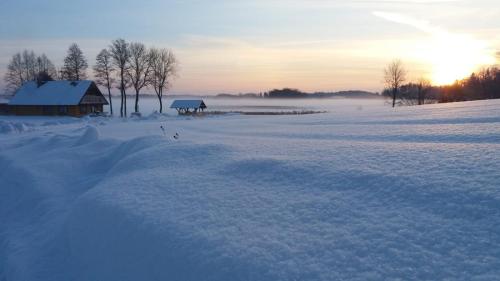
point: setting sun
(448, 56)
(454, 57)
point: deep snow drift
(364, 192)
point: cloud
(421, 25)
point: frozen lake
(149, 104)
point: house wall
(46, 110)
(90, 108)
(4, 108)
(52, 110)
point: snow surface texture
(362, 193)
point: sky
(233, 46)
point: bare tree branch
(394, 77)
(26, 66)
(139, 69)
(120, 57)
(164, 68)
(75, 64)
(103, 71)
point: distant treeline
(482, 85)
(479, 86)
(289, 93)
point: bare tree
(120, 57)
(164, 67)
(103, 72)
(394, 77)
(45, 66)
(26, 66)
(423, 86)
(414, 93)
(29, 65)
(139, 69)
(75, 64)
(14, 77)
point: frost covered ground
(363, 192)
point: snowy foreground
(364, 192)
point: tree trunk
(394, 92)
(125, 103)
(122, 91)
(110, 101)
(161, 103)
(121, 104)
(136, 101)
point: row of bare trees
(413, 93)
(122, 65)
(27, 66)
(133, 65)
(484, 84)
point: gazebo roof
(188, 104)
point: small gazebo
(186, 107)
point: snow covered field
(363, 192)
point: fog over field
(149, 104)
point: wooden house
(188, 106)
(73, 98)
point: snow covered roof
(188, 104)
(51, 93)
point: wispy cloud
(422, 25)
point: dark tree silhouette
(394, 77)
(139, 70)
(120, 55)
(26, 66)
(15, 75)
(45, 68)
(75, 64)
(103, 72)
(479, 86)
(423, 87)
(418, 93)
(164, 67)
(287, 93)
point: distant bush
(287, 93)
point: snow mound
(91, 134)
(13, 127)
(154, 116)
